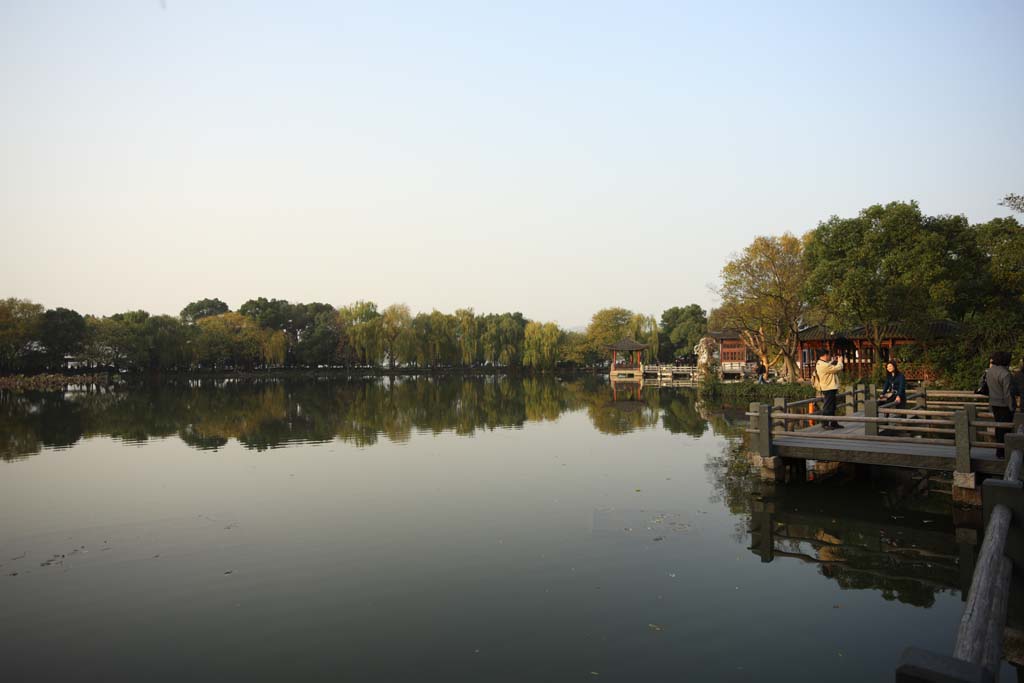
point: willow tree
(467, 332)
(541, 345)
(762, 295)
(644, 329)
(396, 334)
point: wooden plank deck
(802, 444)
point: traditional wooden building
(630, 364)
(854, 346)
(734, 357)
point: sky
(552, 158)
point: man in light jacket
(827, 371)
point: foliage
(20, 324)
(203, 308)
(683, 327)
(542, 343)
(763, 299)
(748, 392)
(608, 326)
(891, 264)
(1014, 202)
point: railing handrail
(852, 418)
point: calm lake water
(457, 529)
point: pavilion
(631, 366)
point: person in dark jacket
(1002, 394)
(762, 373)
(895, 389)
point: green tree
(890, 264)
(396, 334)
(62, 334)
(229, 340)
(20, 326)
(467, 333)
(683, 327)
(320, 340)
(541, 345)
(362, 329)
(203, 308)
(606, 327)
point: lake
(446, 529)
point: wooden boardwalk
(848, 444)
(937, 431)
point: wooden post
(862, 394)
(851, 400)
(963, 441)
(972, 416)
(764, 427)
(922, 400)
(873, 391)
(754, 408)
(871, 410)
(780, 406)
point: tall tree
(203, 308)
(20, 325)
(762, 295)
(467, 331)
(541, 344)
(396, 326)
(683, 327)
(889, 264)
(62, 334)
(606, 327)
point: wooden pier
(943, 431)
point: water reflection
(207, 414)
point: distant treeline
(274, 333)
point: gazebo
(632, 365)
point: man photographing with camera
(826, 381)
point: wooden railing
(979, 643)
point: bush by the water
(752, 391)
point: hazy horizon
(548, 160)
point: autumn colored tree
(763, 299)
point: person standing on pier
(1002, 393)
(827, 382)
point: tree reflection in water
(902, 544)
(262, 414)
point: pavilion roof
(626, 344)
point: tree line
(275, 333)
(889, 264)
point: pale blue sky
(552, 158)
